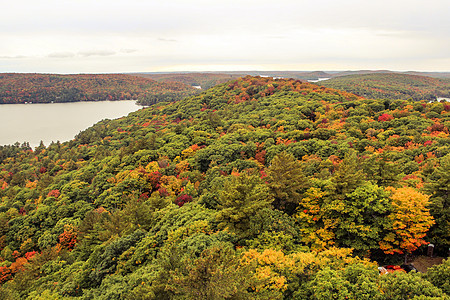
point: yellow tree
(316, 229)
(410, 220)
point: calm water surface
(55, 121)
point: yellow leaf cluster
(273, 269)
(171, 184)
(182, 166)
(268, 267)
(152, 167)
(31, 184)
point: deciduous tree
(410, 220)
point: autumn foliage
(410, 221)
(46, 88)
(392, 86)
(258, 188)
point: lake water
(56, 121)
(317, 80)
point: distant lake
(317, 80)
(56, 121)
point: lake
(56, 121)
(317, 80)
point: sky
(113, 36)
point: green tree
(242, 197)
(439, 187)
(328, 284)
(347, 177)
(355, 281)
(364, 217)
(215, 274)
(330, 207)
(439, 276)
(399, 286)
(286, 182)
(380, 169)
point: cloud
(277, 37)
(69, 54)
(128, 50)
(288, 34)
(61, 55)
(167, 40)
(96, 53)
(14, 57)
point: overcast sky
(105, 36)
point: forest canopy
(47, 88)
(258, 188)
(392, 86)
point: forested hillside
(204, 80)
(207, 80)
(392, 86)
(255, 189)
(47, 88)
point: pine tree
(348, 176)
(242, 197)
(286, 182)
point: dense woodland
(423, 80)
(47, 88)
(254, 189)
(392, 86)
(203, 80)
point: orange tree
(410, 220)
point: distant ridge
(189, 77)
(48, 88)
(392, 85)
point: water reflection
(56, 121)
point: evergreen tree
(286, 182)
(243, 196)
(347, 177)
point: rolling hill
(46, 88)
(392, 86)
(257, 188)
(203, 80)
